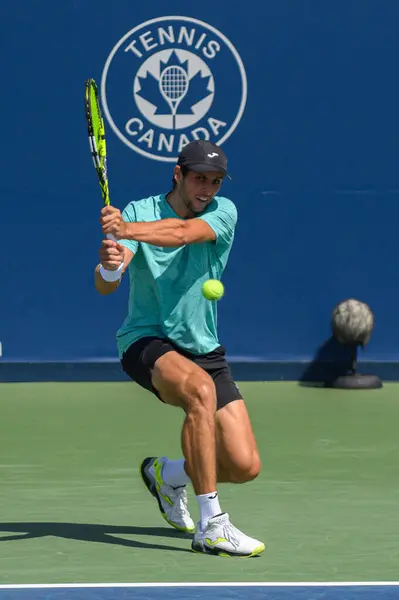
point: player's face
(197, 190)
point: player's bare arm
(112, 256)
(163, 233)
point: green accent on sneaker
(154, 492)
(159, 481)
(198, 549)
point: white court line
(207, 584)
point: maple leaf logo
(174, 93)
(149, 90)
(173, 61)
(198, 90)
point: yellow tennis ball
(213, 289)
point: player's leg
(237, 460)
(237, 455)
(155, 364)
(181, 382)
(171, 496)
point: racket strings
(97, 140)
(174, 83)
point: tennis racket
(96, 132)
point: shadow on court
(105, 534)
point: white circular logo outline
(232, 49)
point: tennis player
(168, 343)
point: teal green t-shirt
(165, 297)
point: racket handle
(111, 237)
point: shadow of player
(106, 534)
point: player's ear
(177, 174)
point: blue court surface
(201, 591)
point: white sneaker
(172, 501)
(222, 538)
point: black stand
(355, 381)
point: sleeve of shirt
(223, 219)
(129, 216)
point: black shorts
(139, 359)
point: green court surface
(326, 502)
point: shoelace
(181, 504)
(230, 533)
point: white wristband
(111, 275)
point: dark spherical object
(352, 322)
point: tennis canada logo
(172, 80)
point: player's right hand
(111, 254)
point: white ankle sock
(173, 473)
(209, 507)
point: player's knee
(246, 468)
(255, 467)
(200, 393)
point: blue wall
(314, 160)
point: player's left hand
(112, 222)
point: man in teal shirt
(171, 244)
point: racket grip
(111, 237)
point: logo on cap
(164, 85)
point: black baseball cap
(202, 156)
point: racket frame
(98, 149)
